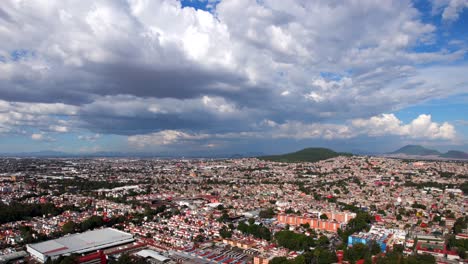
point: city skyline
(222, 77)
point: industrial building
(80, 243)
(384, 237)
(157, 258)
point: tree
(326, 257)
(323, 241)
(323, 216)
(396, 257)
(462, 253)
(398, 249)
(92, 222)
(19, 211)
(267, 213)
(357, 224)
(223, 218)
(375, 248)
(421, 259)
(279, 260)
(199, 239)
(243, 227)
(299, 260)
(68, 227)
(357, 252)
(293, 241)
(225, 233)
(283, 260)
(460, 223)
(258, 231)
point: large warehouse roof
(80, 243)
(152, 254)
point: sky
(232, 76)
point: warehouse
(79, 243)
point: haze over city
(185, 77)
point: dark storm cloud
(183, 82)
(5, 16)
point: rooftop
(82, 242)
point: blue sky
(234, 76)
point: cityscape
(233, 131)
(246, 210)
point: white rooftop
(152, 254)
(82, 242)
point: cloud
(450, 9)
(37, 136)
(41, 137)
(176, 73)
(90, 138)
(422, 127)
(462, 122)
(60, 129)
(128, 115)
(298, 130)
(14, 116)
(385, 125)
(165, 137)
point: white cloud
(165, 137)
(218, 104)
(90, 138)
(450, 9)
(422, 127)
(15, 116)
(42, 137)
(37, 136)
(60, 129)
(298, 130)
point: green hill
(416, 150)
(455, 154)
(305, 155)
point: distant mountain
(416, 150)
(305, 155)
(455, 154)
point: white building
(78, 243)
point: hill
(455, 154)
(416, 150)
(305, 155)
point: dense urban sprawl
(344, 209)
